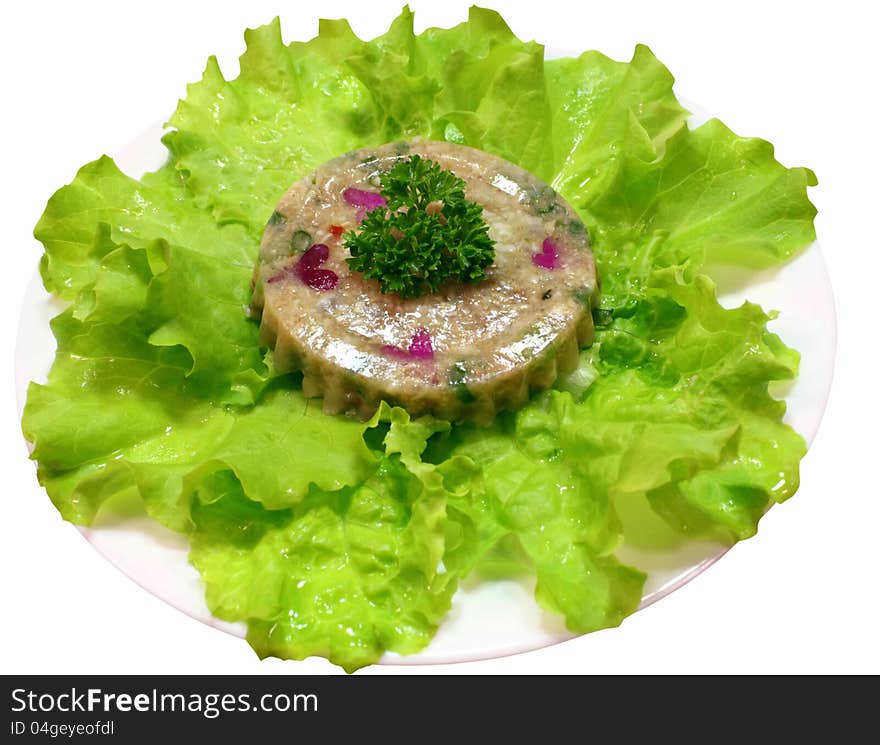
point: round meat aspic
(461, 352)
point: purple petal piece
(421, 347)
(548, 257)
(369, 200)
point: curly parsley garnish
(426, 236)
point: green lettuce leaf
(604, 112)
(240, 143)
(139, 252)
(710, 197)
(347, 539)
(119, 413)
(345, 574)
(517, 480)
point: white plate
(489, 619)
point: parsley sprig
(428, 234)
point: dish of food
(348, 536)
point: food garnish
(424, 234)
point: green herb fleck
(576, 228)
(542, 199)
(300, 241)
(428, 235)
(276, 218)
(457, 375)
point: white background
(82, 79)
